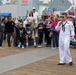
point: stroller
(73, 43)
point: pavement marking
(18, 60)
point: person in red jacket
(55, 34)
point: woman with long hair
(55, 34)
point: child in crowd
(21, 35)
(40, 32)
(30, 35)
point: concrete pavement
(15, 61)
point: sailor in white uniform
(66, 33)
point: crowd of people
(30, 28)
(56, 31)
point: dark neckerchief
(63, 26)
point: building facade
(18, 8)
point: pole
(17, 8)
(73, 2)
(51, 3)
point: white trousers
(64, 51)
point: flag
(24, 1)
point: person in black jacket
(5, 31)
(40, 32)
(21, 35)
(10, 25)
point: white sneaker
(22, 46)
(53, 48)
(45, 43)
(18, 46)
(26, 46)
(39, 46)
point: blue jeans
(56, 40)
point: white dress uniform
(64, 40)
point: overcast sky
(72, 1)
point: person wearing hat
(36, 16)
(36, 19)
(21, 35)
(30, 35)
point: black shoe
(61, 63)
(71, 63)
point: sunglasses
(61, 16)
